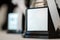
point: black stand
(43, 35)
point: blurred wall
(6, 7)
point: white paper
(37, 19)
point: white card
(37, 19)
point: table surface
(6, 36)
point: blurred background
(6, 7)
(13, 6)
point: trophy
(42, 19)
(19, 11)
(36, 22)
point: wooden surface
(5, 36)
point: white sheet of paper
(37, 19)
(12, 21)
